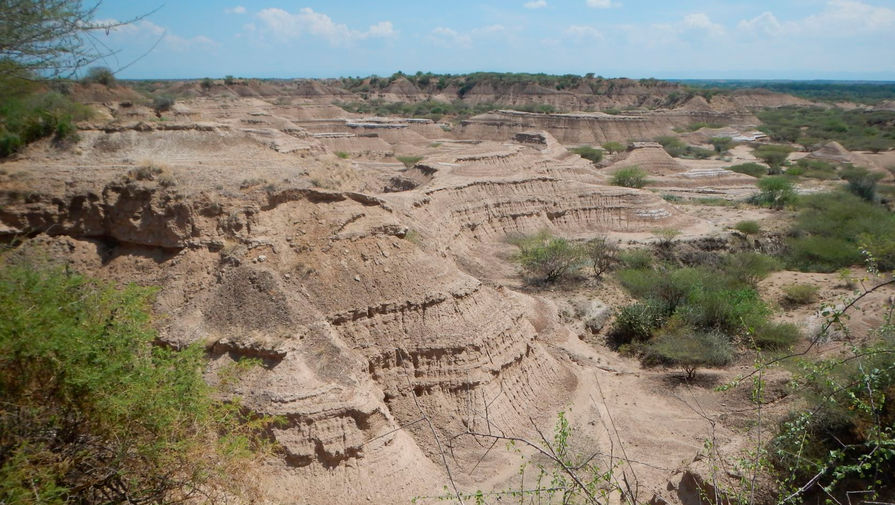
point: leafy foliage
(748, 227)
(772, 336)
(721, 144)
(772, 154)
(705, 299)
(800, 294)
(832, 230)
(545, 258)
(688, 349)
(588, 153)
(630, 177)
(613, 147)
(50, 37)
(409, 161)
(679, 149)
(93, 412)
(601, 254)
(775, 191)
(100, 75)
(857, 129)
(753, 169)
(845, 440)
(28, 114)
(862, 182)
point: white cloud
(448, 37)
(536, 4)
(839, 18)
(583, 32)
(239, 9)
(700, 21)
(284, 25)
(843, 16)
(765, 23)
(145, 29)
(602, 4)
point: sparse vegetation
(721, 144)
(100, 75)
(800, 294)
(630, 177)
(601, 254)
(753, 169)
(747, 227)
(858, 129)
(613, 147)
(679, 149)
(690, 350)
(545, 258)
(775, 191)
(814, 169)
(774, 155)
(773, 336)
(409, 161)
(343, 155)
(589, 153)
(29, 113)
(862, 182)
(162, 103)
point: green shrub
(748, 227)
(25, 119)
(343, 155)
(638, 321)
(100, 75)
(92, 408)
(613, 147)
(771, 336)
(636, 259)
(600, 254)
(206, 83)
(690, 350)
(673, 146)
(800, 294)
(772, 154)
(832, 229)
(706, 298)
(721, 144)
(844, 441)
(857, 129)
(750, 267)
(630, 177)
(409, 161)
(162, 103)
(753, 169)
(545, 258)
(775, 191)
(589, 153)
(862, 182)
(814, 169)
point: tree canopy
(51, 38)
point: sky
(666, 39)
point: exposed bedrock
(493, 209)
(586, 128)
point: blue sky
(762, 39)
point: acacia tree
(51, 38)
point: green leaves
(92, 406)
